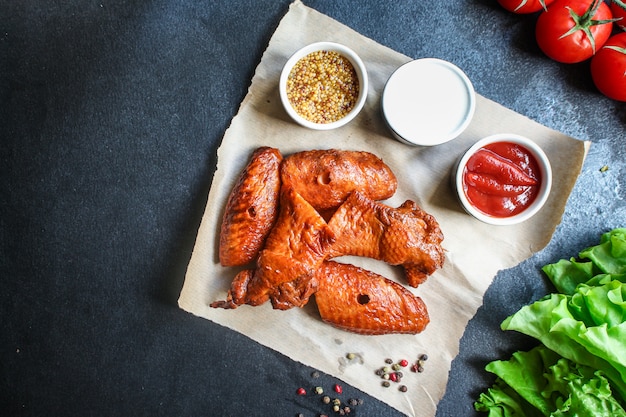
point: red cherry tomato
(608, 68)
(525, 6)
(572, 31)
(619, 12)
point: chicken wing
(325, 178)
(364, 302)
(295, 247)
(405, 236)
(251, 208)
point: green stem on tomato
(585, 22)
(616, 48)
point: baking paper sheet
(475, 251)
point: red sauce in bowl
(501, 179)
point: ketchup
(501, 179)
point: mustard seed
(323, 86)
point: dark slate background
(111, 113)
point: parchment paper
(475, 251)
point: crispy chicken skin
(251, 208)
(405, 236)
(325, 178)
(364, 302)
(295, 247)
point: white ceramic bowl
(428, 102)
(542, 194)
(356, 62)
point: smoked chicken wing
(251, 208)
(364, 302)
(295, 247)
(405, 236)
(325, 178)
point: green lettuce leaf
(566, 275)
(524, 373)
(502, 401)
(568, 326)
(579, 390)
(542, 383)
(580, 367)
(605, 261)
(610, 255)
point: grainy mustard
(323, 86)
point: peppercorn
(326, 399)
(301, 391)
(319, 390)
(336, 401)
(424, 357)
(338, 389)
(403, 363)
(393, 377)
(403, 388)
(386, 384)
(389, 361)
(350, 356)
(315, 374)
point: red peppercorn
(393, 377)
(404, 363)
(301, 391)
(338, 389)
